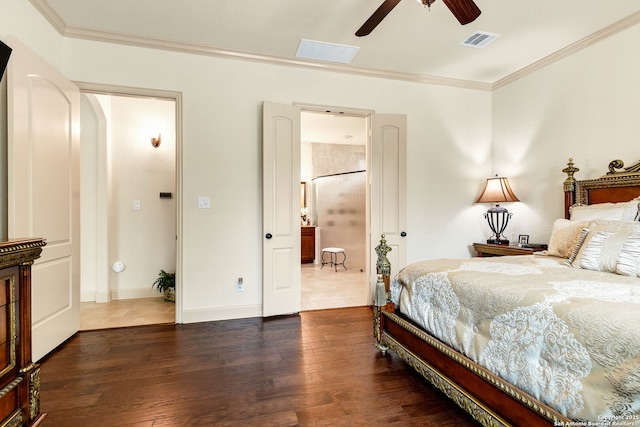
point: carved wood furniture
(615, 186)
(489, 399)
(19, 376)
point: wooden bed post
(382, 299)
(569, 187)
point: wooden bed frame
(489, 399)
(616, 186)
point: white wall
(90, 240)
(143, 239)
(449, 151)
(585, 107)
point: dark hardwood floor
(320, 368)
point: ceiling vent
(322, 51)
(479, 39)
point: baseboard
(133, 293)
(88, 296)
(93, 296)
(221, 313)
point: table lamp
(497, 190)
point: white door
(281, 209)
(388, 189)
(43, 157)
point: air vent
(323, 51)
(479, 39)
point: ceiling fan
(465, 11)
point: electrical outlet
(239, 285)
(204, 202)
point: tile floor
(321, 289)
(327, 288)
(126, 312)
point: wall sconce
(497, 190)
(155, 141)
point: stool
(333, 257)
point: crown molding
(576, 47)
(107, 37)
(49, 14)
(196, 49)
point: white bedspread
(569, 337)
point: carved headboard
(620, 184)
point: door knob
(268, 235)
(403, 234)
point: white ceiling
(412, 43)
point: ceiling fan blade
(377, 17)
(465, 11)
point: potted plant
(166, 283)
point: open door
(281, 201)
(281, 209)
(388, 189)
(43, 158)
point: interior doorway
(130, 205)
(334, 204)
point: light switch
(137, 205)
(204, 202)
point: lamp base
(498, 242)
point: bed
(544, 339)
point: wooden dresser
(19, 376)
(307, 244)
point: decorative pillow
(603, 244)
(564, 236)
(622, 211)
(629, 258)
(576, 248)
(595, 256)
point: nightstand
(486, 250)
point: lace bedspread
(569, 337)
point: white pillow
(632, 210)
(622, 211)
(629, 258)
(594, 256)
(603, 245)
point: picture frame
(523, 239)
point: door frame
(366, 115)
(176, 97)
